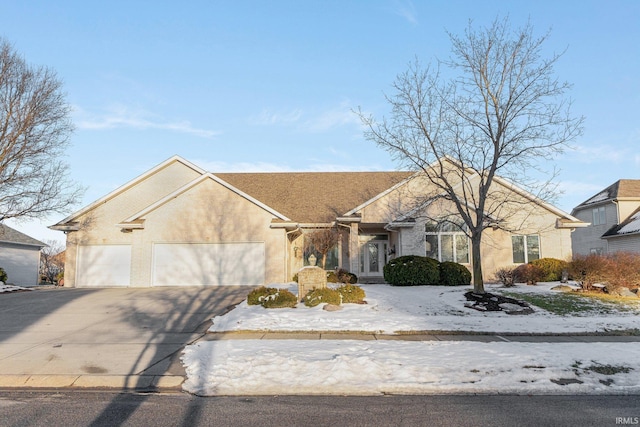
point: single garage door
(103, 265)
(208, 264)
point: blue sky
(271, 85)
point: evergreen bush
(454, 274)
(3, 275)
(281, 299)
(551, 268)
(322, 295)
(271, 298)
(412, 270)
(351, 293)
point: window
(447, 242)
(599, 216)
(333, 256)
(525, 248)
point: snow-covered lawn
(392, 310)
(237, 367)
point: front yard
(393, 310)
(384, 366)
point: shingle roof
(630, 225)
(9, 235)
(314, 197)
(619, 189)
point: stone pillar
(310, 277)
(354, 249)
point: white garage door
(208, 264)
(103, 265)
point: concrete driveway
(126, 338)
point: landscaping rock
(566, 381)
(563, 288)
(623, 292)
(491, 302)
(510, 308)
(332, 307)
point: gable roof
(134, 221)
(63, 225)
(314, 197)
(621, 189)
(627, 227)
(9, 235)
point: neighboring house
(180, 225)
(614, 217)
(19, 256)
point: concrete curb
(121, 382)
(174, 382)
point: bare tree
(501, 111)
(322, 241)
(34, 131)
(51, 260)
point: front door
(373, 255)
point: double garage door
(184, 264)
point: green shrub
(345, 277)
(3, 275)
(257, 295)
(281, 299)
(351, 293)
(454, 274)
(332, 277)
(295, 278)
(528, 273)
(551, 268)
(322, 295)
(411, 270)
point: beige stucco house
(178, 224)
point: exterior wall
(626, 208)
(521, 217)
(98, 226)
(21, 263)
(209, 213)
(624, 244)
(586, 239)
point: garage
(210, 264)
(104, 265)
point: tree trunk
(478, 284)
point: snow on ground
(350, 367)
(266, 367)
(11, 288)
(392, 309)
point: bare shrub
(506, 276)
(528, 273)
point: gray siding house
(614, 217)
(19, 256)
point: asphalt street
(179, 409)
